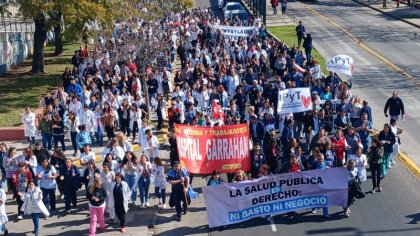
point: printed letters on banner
(341, 64)
(204, 149)
(276, 194)
(294, 100)
(235, 31)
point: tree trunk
(58, 35)
(40, 36)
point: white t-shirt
(86, 157)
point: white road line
(273, 225)
(418, 44)
(369, 20)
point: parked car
(242, 15)
(231, 6)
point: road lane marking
(360, 43)
(418, 44)
(369, 20)
(273, 225)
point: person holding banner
(320, 164)
(215, 179)
(179, 182)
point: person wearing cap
(179, 181)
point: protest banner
(341, 64)
(234, 31)
(276, 194)
(294, 100)
(316, 72)
(204, 149)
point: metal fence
(258, 8)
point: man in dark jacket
(395, 106)
(300, 32)
(256, 128)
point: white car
(231, 6)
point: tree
(75, 14)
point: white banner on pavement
(236, 202)
(235, 31)
(341, 64)
(294, 100)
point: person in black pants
(161, 105)
(124, 117)
(300, 32)
(179, 181)
(374, 154)
(70, 178)
(119, 196)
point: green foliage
(288, 35)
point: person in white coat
(142, 132)
(135, 120)
(124, 143)
(87, 117)
(158, 173)
(28, 120)
(114, 148)
(119, 195)
(3, 215)
(360, 161)
(33, 205)
(151, 145)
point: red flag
(217, 111)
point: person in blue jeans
(32, 204)
(3, 157)
(320, 164)
(144, 171)
(46, 175)
(160, 181)
(129, 166)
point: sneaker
(62, 197)
(53, 212)
(46, 218)
(147, 204)
(111, 221)
(379, 189)
(268, 218)
(373, 190)
(101, 230)
(389, 166)
(178, 218)
(20, 217)
(133, 204)
(291, 217)
(68, 211)
(164, 206)
(314, 211)
(122, 230)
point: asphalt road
(396, 210)
(373, 80)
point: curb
(388, 14)
(408, 163)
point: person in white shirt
(75, 106)
(150, 148)
(396, 149)
(85, 157)
(114, 148)
(87, 117)
(158, 174)
(142, 132)
(360, 163)
(29, 128)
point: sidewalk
(404, 13)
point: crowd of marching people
(102, 102)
